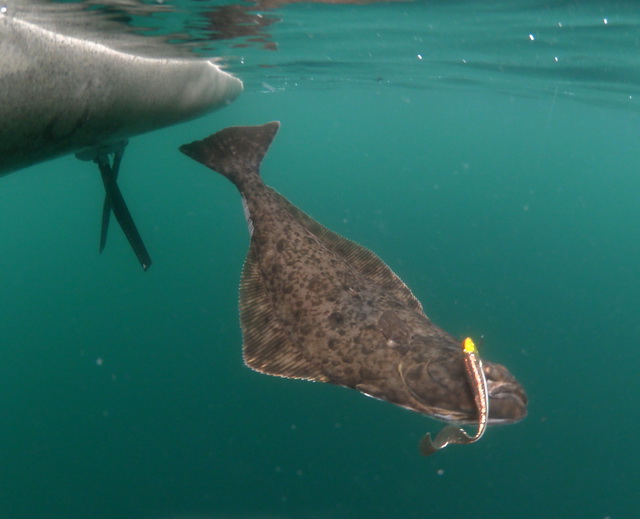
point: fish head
(441, 389)
(507, 398)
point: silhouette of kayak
(73, 81)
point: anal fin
(267, 347)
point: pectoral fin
(393, 328)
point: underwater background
(486, 151)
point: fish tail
(234, 152)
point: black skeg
(114, 201)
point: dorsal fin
(365, 262)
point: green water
(510, 213)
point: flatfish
(317, 306)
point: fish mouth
(503, 389)
(508, 401)
(507, 405)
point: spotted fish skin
(316, 306)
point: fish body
(316, 306)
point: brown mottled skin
(317, 306)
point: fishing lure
(478, 381)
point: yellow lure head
(469, 346)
